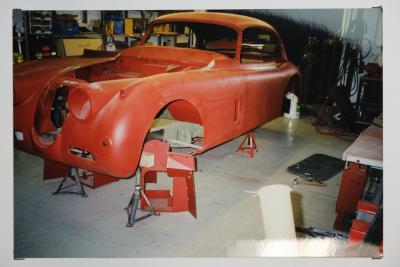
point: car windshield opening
(195, 35)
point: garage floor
(71, 226)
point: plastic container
(292, 107)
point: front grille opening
(51, 113)
(81, 153)
(59, 108)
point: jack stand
(73, 171)
(134, 202)
(251, 144)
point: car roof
(235, 21)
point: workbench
(367, 149)
(364, 153)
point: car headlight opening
(80, 104)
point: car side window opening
(204, 36)
(259, 45)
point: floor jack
(134, 202)
(72, 172)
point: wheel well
(183, 110)
(179, 120)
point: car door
(261, 58)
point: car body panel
(30, 79)
(126, 92)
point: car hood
(32, 75)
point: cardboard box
(128, 26)
(75, 47)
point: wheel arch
(181, 104)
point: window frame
(238, 33)
(270, 31)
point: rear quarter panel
(265, 89)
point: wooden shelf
(164, 33)
(125, 35)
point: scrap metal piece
(301, 180)
(180, 168)
(317, 232)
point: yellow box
(128, 26)
(75, 47)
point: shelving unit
(109, 19)
(39, 31)
(40, 22)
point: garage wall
(361, 25)
(331, 19)
(365, 26)
(93, 15)
(18, 19)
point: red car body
(113, 100)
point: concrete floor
(71, 226)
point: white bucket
(277, 213)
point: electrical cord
(323, 117)
(355, 85)
(369, 50)
(347, 66)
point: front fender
(114, 136)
